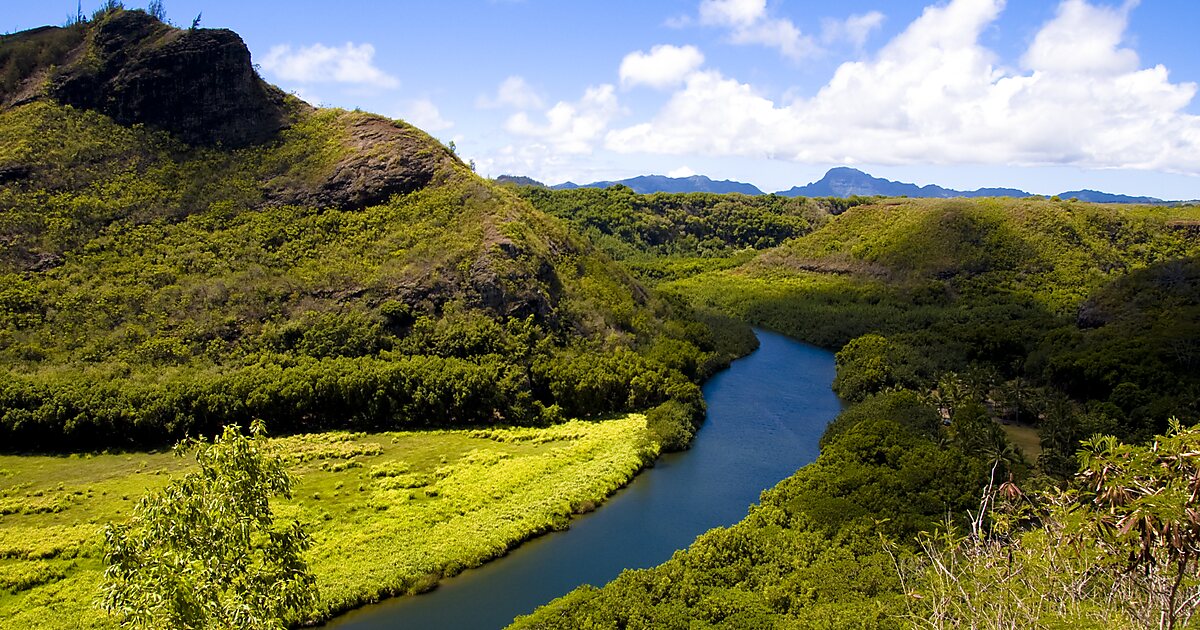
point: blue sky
(1042, 95)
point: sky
(1042, 95)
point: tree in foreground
(207, 551)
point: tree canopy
(207, 551)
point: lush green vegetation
(207, 550)
(1080, 316)
(387, 513)
(950, 316)
(868, 537)
(1116, 550)
(150, 290)
(818, 551)
(349, 273)
(667, 236)
(628, 225)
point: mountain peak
(844, 170)
(197, 84)
(844, 181)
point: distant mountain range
(838, 182)
(647, 184)
(1096, 196)
(848, 182)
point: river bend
(766, 414)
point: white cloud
(853, 30)
(663, 67)
(307, 96)
(749, 23)
(513, 92)
(350, 63)
(780, 34)
(936, 95)
(682, 171)
(736, 13)
(423, 114)
(711, 115)
(571, 127)
(1083, 39)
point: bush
(673, 424)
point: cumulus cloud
(853, 30)
(350, 63)
(423, 114)
(1083, 39)
(571, 127)
(749, 23)
(663, 67)
(936, 94)
(682, 171)
(513, 92)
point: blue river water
(766, 414)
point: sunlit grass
(390, 513)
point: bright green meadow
(389, 513)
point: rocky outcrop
(500, 281)
(197, 84)
(200, 86)
(381, 158)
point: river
(766, 414)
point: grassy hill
(1096, 301)
(1072, 315)
(323, 268)
(183, 246)
(951, 315)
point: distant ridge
(1096, 196)
(848, 182)
(520, 180)
(648, 184)
(838, 182)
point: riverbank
(389, 513)
(766, 414)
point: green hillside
(951, 317)
(183, 246)
(1094, 302)
(348, 271)
(1097, 302)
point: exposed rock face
(384, 158)
(499, 283)
(1091, 315)
(197, 84)
(200, 86)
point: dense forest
(1079, 318)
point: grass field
(1026, 438)
(390, 513)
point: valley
(441, 372)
